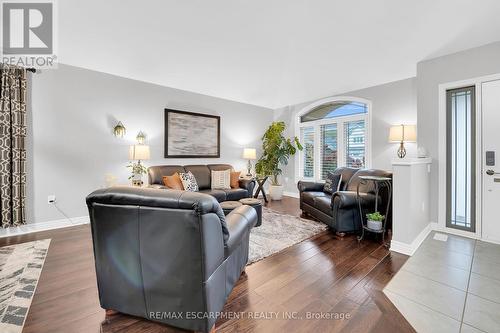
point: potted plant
(137, 170)
(276, 150)
(375, 221)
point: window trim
(367, 117)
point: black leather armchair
(160, 253)
(340, 210)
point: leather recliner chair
(340, 210)
(203, 176)
(168, 256)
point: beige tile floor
(450, 286)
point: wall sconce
(119, 130)
(141, 137)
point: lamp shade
(249, 154)
(405, 133)
(138, 152)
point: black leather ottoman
(229, 206)
(257, 205)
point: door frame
(442, 153)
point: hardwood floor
(325, 275)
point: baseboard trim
(43, 226)
(457, 232)
(409, 249)
(291, 194)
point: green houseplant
(276, 150)
(375, 220)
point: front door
(491, 160)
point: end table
(260, 182)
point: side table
(260, 188)
(379, 182)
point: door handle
(492, 172)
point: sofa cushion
(173, 182)
(324, 204)
(219, 167)
(220, 195)
(332, 183)
(309, 197)
(346, 173)
(221, 180)
(236, 194)
(156, 173)
(369, 186)
(202, 175)
(235, 179)
(189, 181)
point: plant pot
(374, 225)
(137, 180)
(276, 192)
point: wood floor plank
(324, 275)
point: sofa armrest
(247, 184)
(310, 186)
(239, 223)
(348, 199)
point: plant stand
(379, 182)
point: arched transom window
(334, 132)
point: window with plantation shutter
(354, 143)
(334, 133)
(328, 149)
(307, 141)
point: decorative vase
(374, 225)
(276, 192)
(422, 152)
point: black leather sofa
(165, 253)
(340, 211)
(203, 175)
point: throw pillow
(332, 183)
(189, 181)
(235, 179)
(221, 180)
(174, 182)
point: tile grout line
(423, 305)
(441, 283)
(468, 284)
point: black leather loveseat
(169, 256)
(340, 210)
(203, 175)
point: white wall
(71, 147)
(392, 103)
(463, 65)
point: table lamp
(138, 153)
(403, 133)
(249, 154)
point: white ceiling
(270, 53)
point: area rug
(279, 231)
(20, 268)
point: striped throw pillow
(221, 180)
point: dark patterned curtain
(12, 145)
